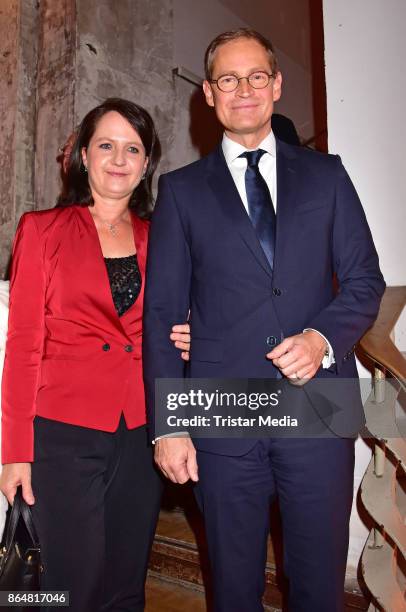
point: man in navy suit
(248, 240)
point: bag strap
(29, 523)
(20, 509)
(13, 522)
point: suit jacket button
(106, 347)
(276, 291)
(128, 348)
(271, 341)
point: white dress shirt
(238, 165)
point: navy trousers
(313, 479)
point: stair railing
(383, 492)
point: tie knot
(253, 157)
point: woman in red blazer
(73, 403)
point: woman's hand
(180, 336)
(13, 475)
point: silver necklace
(112, 227)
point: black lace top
(125, 281)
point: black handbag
(20, 556)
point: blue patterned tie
(260, 206)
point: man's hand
(299, 357)
(176, 458)
(13, 475)
(180, 336)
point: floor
(167, 597)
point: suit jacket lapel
(226, 193)
(286, 189)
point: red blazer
(69, 357)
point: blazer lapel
(226, 193)
(286, 196)
(140, 241)
(100, 278)
(134, 313)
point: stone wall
(60, 59)
(8, 92)
(63, 57)
(55, 87)
(125, 49)
(18, 33)
(36, 106)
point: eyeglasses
(229, 82)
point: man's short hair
(226, 37)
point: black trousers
(97, 503)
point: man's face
(244, 112)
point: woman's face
(115, 158)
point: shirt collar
(232, 149)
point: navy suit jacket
(204, 256)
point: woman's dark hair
(77, 184)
